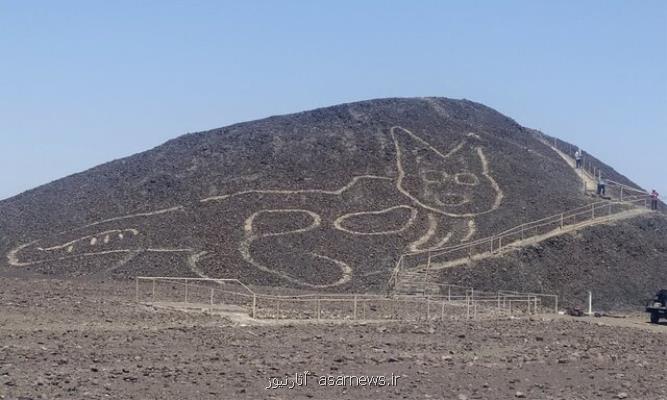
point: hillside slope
(325, 199)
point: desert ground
(83, 339)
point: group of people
(602, 183)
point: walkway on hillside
(541, 237)
(587, 181)
(416, 278)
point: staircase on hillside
(416, 282)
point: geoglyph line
(248, 228)
(14, 261)
(413, 215)
(401, 175)
(338, 191)
(472, 229)
(144, 214)
(92, 238)
(338, 223)
(432, 226)
(251, 237)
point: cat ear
(410, 145)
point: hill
(325, 199)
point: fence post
(492, 244)
(449, 292)
(186, 290)
(562, 217)
(467, 306)
(393, 308)
(442, 312)
(428, 266)
(556, 305)
(354, 315)
(593, 211)
(136, 289)
(212, 295)
(318, 308)
(621, 192)
(254, 305)
(428, 309)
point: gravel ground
(87, 340)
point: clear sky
(84, 82)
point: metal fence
(232, 295)
(421, 261)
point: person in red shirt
(654, 200)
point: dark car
(657, 307)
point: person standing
(654, 200)
(602, 185)
(577, 158)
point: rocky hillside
(324, 199)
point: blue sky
(84, 82)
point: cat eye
(466, 178)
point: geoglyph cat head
(456, 183)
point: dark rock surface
(623, 264)
(311, 199)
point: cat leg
(276, 242)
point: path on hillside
(587, 181)
(419, 280)
(418, 277)
(541, 237)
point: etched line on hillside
(432, 230)
(142, 214)
(338, 191)
(413, 215)
(432, 226)
(402, 174)
(486, 171)
(251, 237)
(13, 260)
(193, 260)
(472, 229)
(248, 225)
(93, 239)
(12, 255)
(122, 262)
(428, 183)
